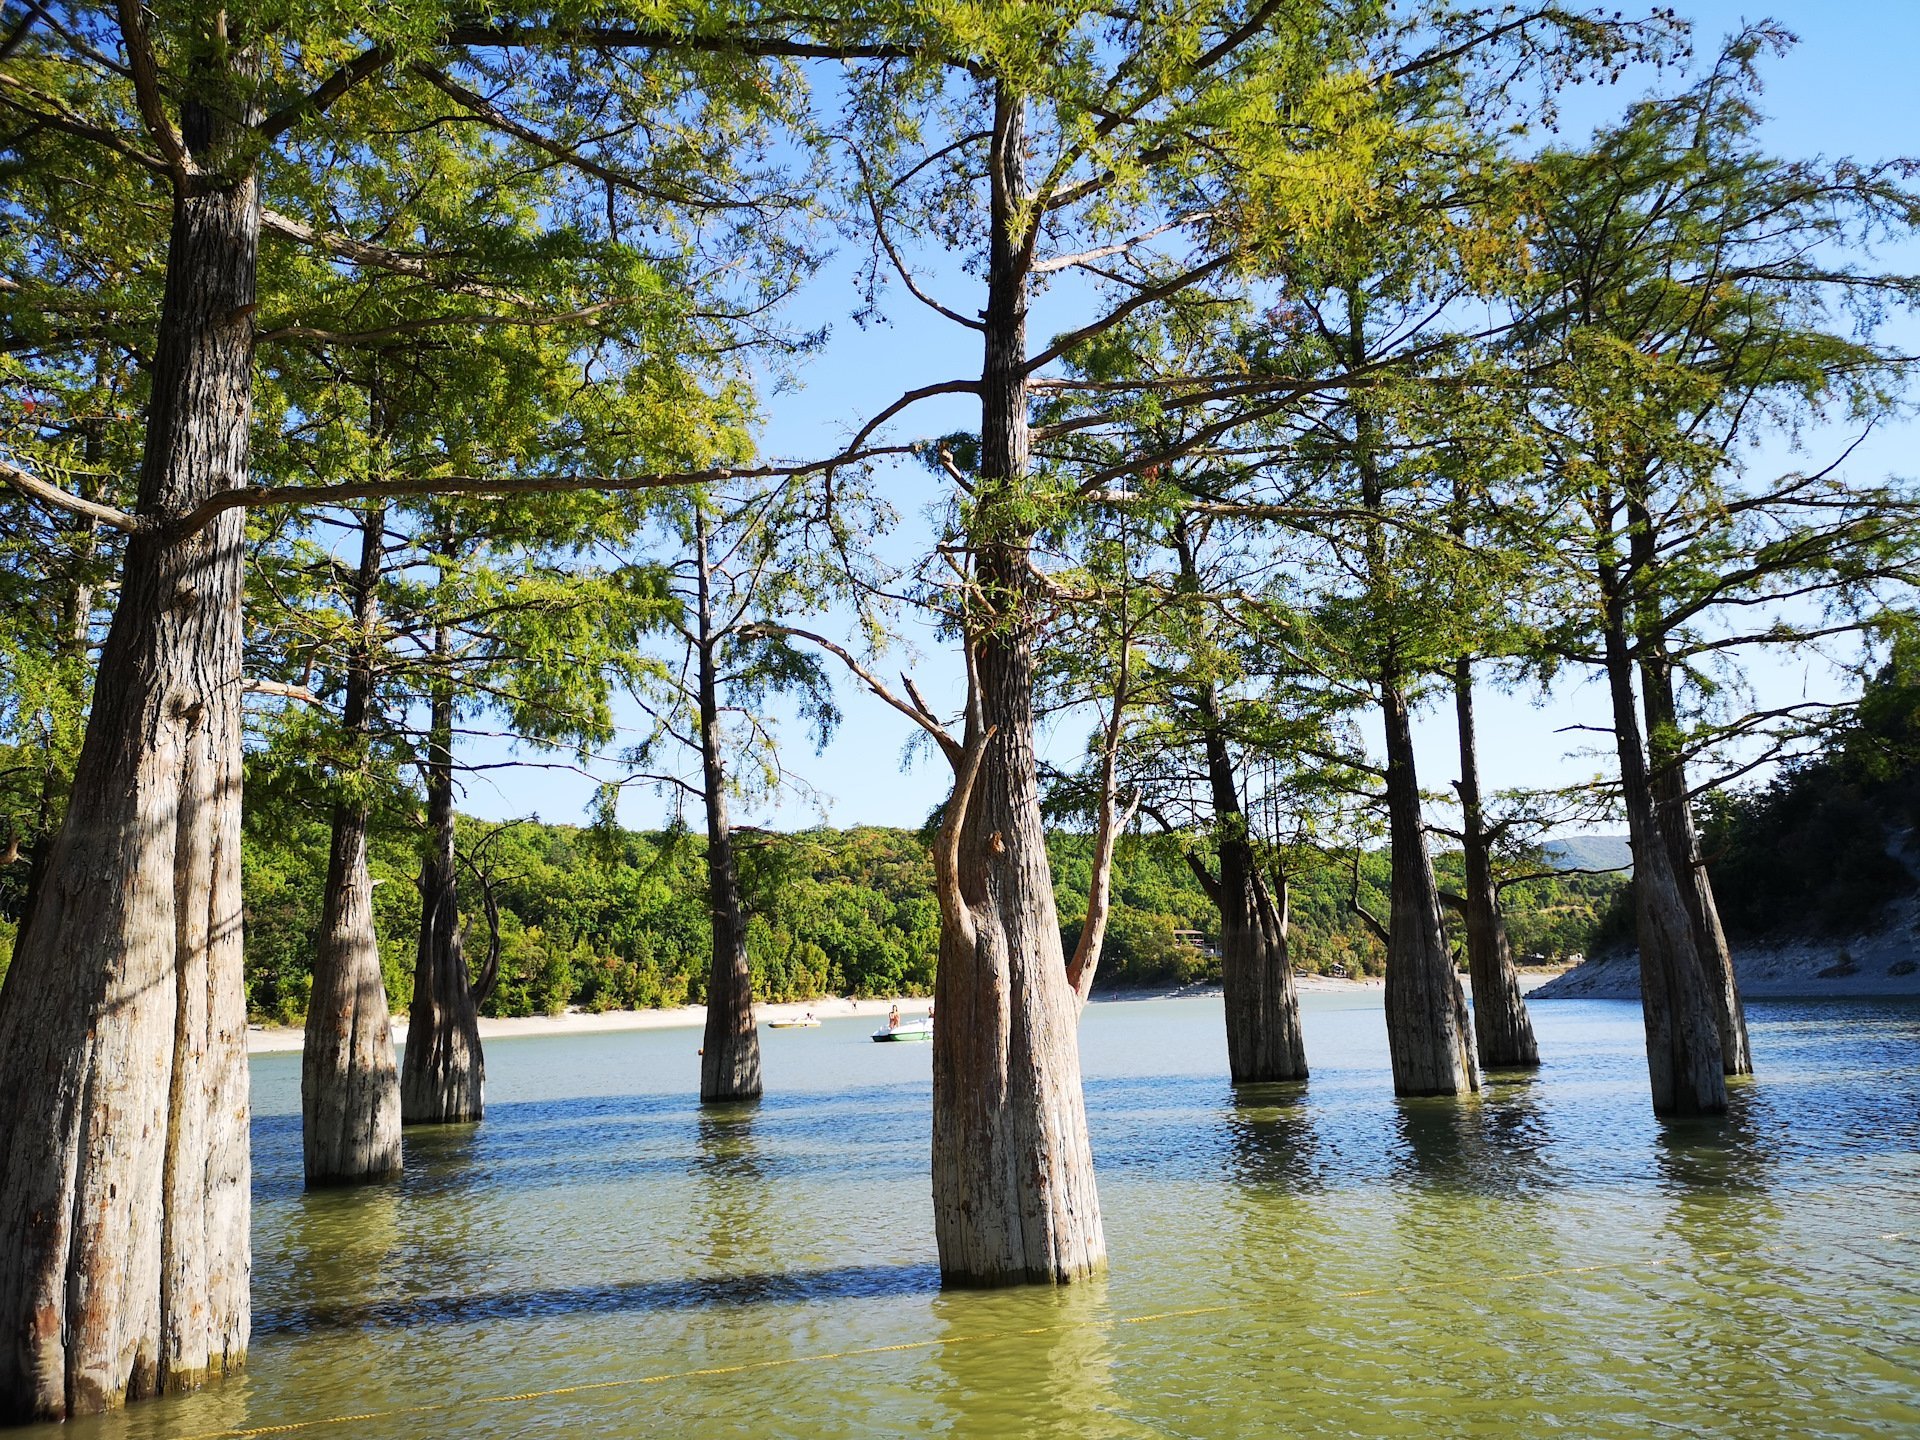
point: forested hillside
(613, 921)
(1821, 850)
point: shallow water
(1314, 1259)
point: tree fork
(1429, 1033)
(443, 1073)
(1668, 782)
(1261, 1002)
(1013, 1183)
(1683, 1037)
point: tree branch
(363, 66)
(38, 489)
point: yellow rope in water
(746, 1367)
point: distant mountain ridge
(1589, 852)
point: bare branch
(38, 489)
(253, 497)
(914, 709)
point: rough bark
(730, 1053)
(1264, 1040)
(1429, 1034)
(349, 1082)
(1013, 1183)
(1683, 1037)
(124, 1201)
(443, 1074)
(1668, 781)
(1501, 1026)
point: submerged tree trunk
(349, 1083)
(1683, 1036)
(1668, 782)
(1013, 1184)
(1501, 1026)
(1429, 1035)
(443, 1074)
(730, 1053)
(1262, 1005)
(1264, 1041)
(124, 1200)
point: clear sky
(1847, 89)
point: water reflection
(1716, 1171)
(337, 1243)
(736, 1228)
(1716, 1155)
(1319, 1259)
(1028, 1363)
(1271, 1136)
(1494, 1143)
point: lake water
(600, 1257)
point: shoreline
(288, 1039)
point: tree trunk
(1429, 1035)
(1501, 1025)
(730, 1053)
(1256, 972)
(349, 1083)
(1683, 1037)
(1013, 1185)
(1668, 781)
(1264, 1040)
(124, 1200)
(443, 1075)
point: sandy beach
(276, 1039)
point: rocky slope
(1883, 961)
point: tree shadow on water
(1717, 1172)
(847, 1282)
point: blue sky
(1846, 89)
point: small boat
(921, 1029)
(806, 1023)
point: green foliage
(621, 923)
(1817, 849)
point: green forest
(618, 920)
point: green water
(1546, 1258)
